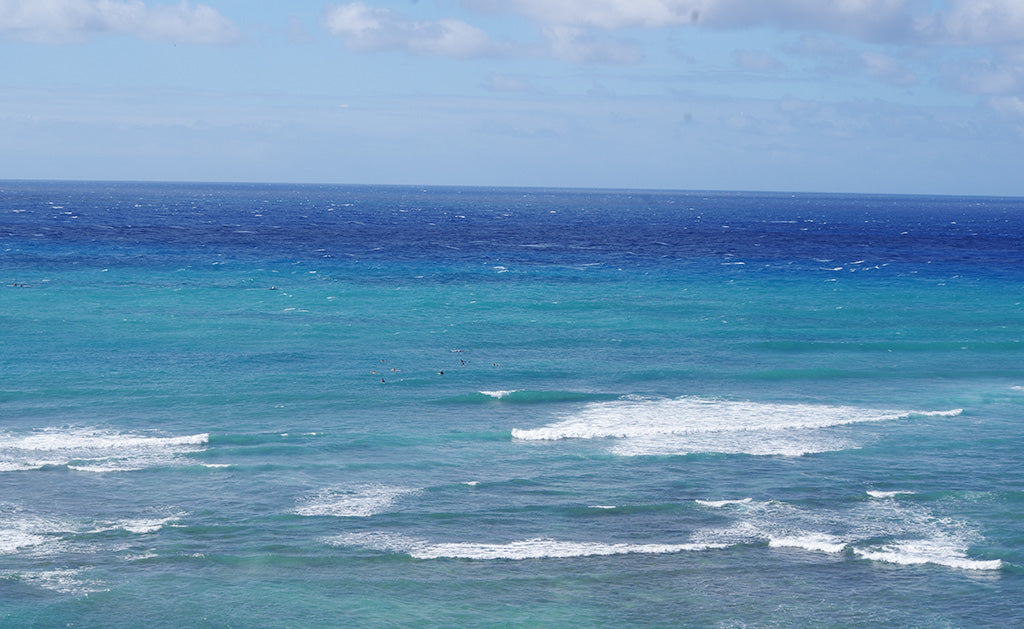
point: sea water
(324, 406)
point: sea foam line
(535, 548)
(874, 493)
(915, 535)
(723, 503)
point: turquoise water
(264, 406)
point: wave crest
(93, 450)
(689, 424)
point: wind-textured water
(326, 406)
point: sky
(871, 96)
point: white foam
(536, 548)
(943, 552)
(92, 450)
(797, 443)
(12, 540)
(913, 533)
(138, 525)
(821, 542)
(723, 503)
(497, 394)
(23, 533)
(684, 425)
(360, 501)
(887, 494)
(68, 581)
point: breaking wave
(688, 424)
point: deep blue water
(319, 406)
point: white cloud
(871, 19)
(61, 21)
(371, 29)
(978, 22)
(961, 22)
(605, 14)
(578, 45)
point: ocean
(228, 405)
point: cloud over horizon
(67, 21)
(957, 22)
(368, 29)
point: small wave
(516, 396)
(717, 504)
(820, 542)
(536, 548)
(92, 450)
(361, 501)
(497, 394)
(887, 494)
(139, 526)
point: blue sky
(918, 96)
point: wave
(875, 530)
(138, 526)
(926, 551)
(24, 533)
(888, 494)
(516, 396)
(821, 542)
(535, 548)
(359, 501)
(723, 503)
(93, 450)
(668, 426)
